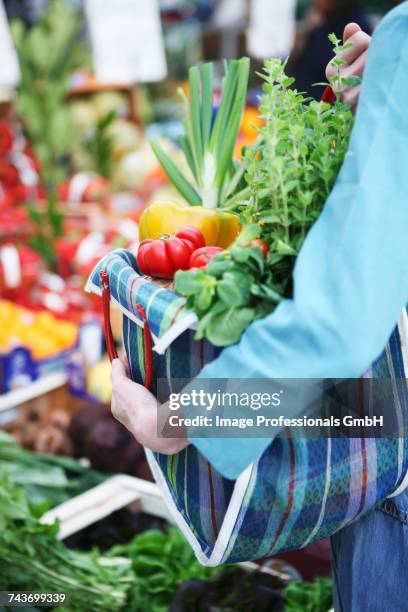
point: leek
(208, 145)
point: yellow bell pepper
(161, 218)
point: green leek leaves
(208, 145)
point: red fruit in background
(31, 264)
(201, 257)
(9, 174)
(163, 257)
(22, 268)
(98, 189)
(66, 250)
(63, 192)
(83, 187)
(41, 193)
(14, 222)
(20, 192)
(34, 161)
(6, 198)
(6, 138)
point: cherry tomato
(261, 244)
(163, 257)
(201, 257)
(193, 235)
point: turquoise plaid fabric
(298, 492)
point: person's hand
(137, 409)
(355, 58)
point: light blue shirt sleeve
(351, 276)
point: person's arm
(351, 276)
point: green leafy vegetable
(33, 559)
(308, 596)
(235, 289)
(160, 562)
(48, 479)
(293, 168)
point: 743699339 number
(21, 599)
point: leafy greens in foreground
(160, 562)
(33, 559)
(47, 479)
(235, 289)
(141, 575)
(309, 596)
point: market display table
(36, 389)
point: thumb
(350, 30)
(118, 370)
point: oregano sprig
(339, 82)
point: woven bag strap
(110, 343)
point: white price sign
(127, 41)
(9, 69)
(272, 28)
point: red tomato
(193, 235)
(261, 244)
(201, 257)
(163, 257)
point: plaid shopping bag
(300, 490)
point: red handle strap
(110, 344)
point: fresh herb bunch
(292, 169)
(160, 563)
(33, 559)
(235, 289)
(339, 82)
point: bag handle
(147, 348)
(110, 343)
(107, 328)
